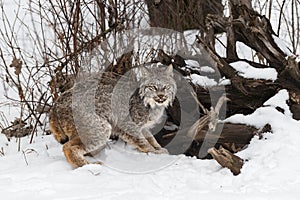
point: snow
(192, 63)
(202, 80)
(282, 45)
(224, 81)
(207, 69)
(190, 36)
(243, 51)
(220, 44)
(8, 109)
(244, 69)
(274, 160)
(40, 171)
(247, 71)
(170, 127)
(271, 170)
(280, 100)
(206, 82)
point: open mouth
(160, 100)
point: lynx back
(156, 89)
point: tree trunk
(246, 95)
(182, 15)
(244, 25)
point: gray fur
(119, 106)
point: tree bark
(226, 159)
(182, 15)
(244, 25)
(246, 95)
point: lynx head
(157, 86)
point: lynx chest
(155, 117)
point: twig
(27, 151)
(2, 152)
(35, 125)
(210, 119)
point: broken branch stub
(226, 159)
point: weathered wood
(245, 25)
(233, 137)
(210, 119)
(240, 102)
(226, 159)
(265, 129)
(245, 95)
(295, 108)
(19, 128)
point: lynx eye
(152, 87)
(167, 87)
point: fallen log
(226, 159)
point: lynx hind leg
(92, 137)
(74, 152)
(58, 131)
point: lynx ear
(169, 70)
(144, 71)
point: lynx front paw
(161, 151)
(97, 163)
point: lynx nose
(161, 96)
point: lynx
(156, 89)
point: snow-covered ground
(271, 171)
(40, 171)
